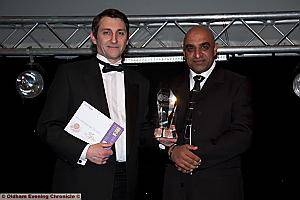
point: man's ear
(216, 48)
(94, 41)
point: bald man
(214, 125)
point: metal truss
(155, 38)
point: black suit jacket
(72, 84)
(222, 128)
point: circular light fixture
(29, 84)
(296, 85)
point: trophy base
(165, 133)
(166, 136)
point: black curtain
(269, 165)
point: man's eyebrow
(105, 29)
(201, 44)
(109, 29)
(189, 45)
(204, 43)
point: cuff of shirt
(161, 146)
(82, 160)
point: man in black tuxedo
(214, 122)
(95, 171)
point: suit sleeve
(54, 117)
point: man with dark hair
(112, 13)
(94, 170)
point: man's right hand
(183, 157)
(99, 153)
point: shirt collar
(100, 57)
(204, 74)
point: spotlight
(30, 83)
(296, 81)
(296, 85)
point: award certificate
(92, 126)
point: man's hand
(99, 153)
(183, 157)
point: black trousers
(120, 182)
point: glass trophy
(166, 107)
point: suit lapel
(94, 85)
(181, 87)
(131, 103)
(211, 85)
(214, 80)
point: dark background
(269, 166)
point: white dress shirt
(115, 94)
(204, 74)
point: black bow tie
(108, 67)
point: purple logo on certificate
(113, 133)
